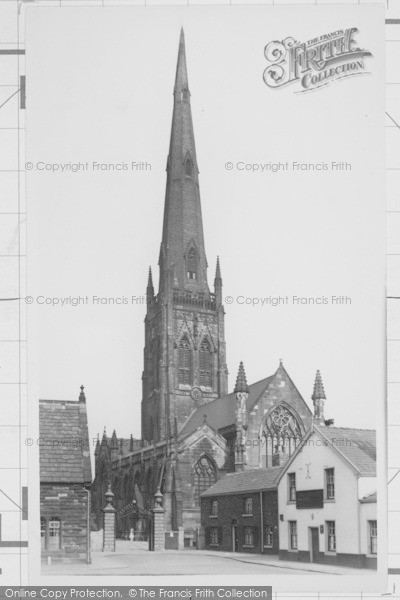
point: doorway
(235, 539)
(314, 544)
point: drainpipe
(261, 524)
(88, 556)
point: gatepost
(109, 523)
(158, 524)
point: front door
(235, 541)
(314, 539)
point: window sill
(214, 545)
(213, 516)
(292, 550)
(248, 546)
(329, 500)
(372, 555)
(265, 546)
(248, 515)
(290, 501)
(330, 553)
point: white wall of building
(309, 467)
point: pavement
(134, 558)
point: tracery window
(205, 363)
(204, 477)
(282, 434)
(185, 362)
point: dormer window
(191, 264)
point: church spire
(182, 256)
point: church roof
(221, 412)
(124, 446)
(358, 447)
(64, 450)
(253, 480)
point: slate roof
(64, 449)
(221, 412)
(369, 498)
(358, 446)
(253, 480)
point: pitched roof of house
(253, 480)
(64, 449)
(369, 498)
(221, 412)
(358, 447)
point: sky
(101, 92)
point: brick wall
(231, 512)
(68, 503)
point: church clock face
(196, 393)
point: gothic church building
(193, 430)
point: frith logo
(315, 63)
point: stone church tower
(193, 431)
(184, 353)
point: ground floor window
(373, 537)
(293, 535)
(43, 533)
(50, 533)
(249, 536)
(268, 536)
(331, 536)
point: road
(135, 559)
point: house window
(268, 536)
(214, 536)
(248, 506)
(205, 362)
(292, 486)
(204, 477)
(54, 541)
(185, 362)
(191, 264)
(330, 484)
(214, 508)
(373, 537)
(249, 536)
(331, 536)
(293, 535)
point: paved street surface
(133, 558)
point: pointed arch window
(185, 362)
(205, 363)
(282, 434)
(204, 476)
(191, 264)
